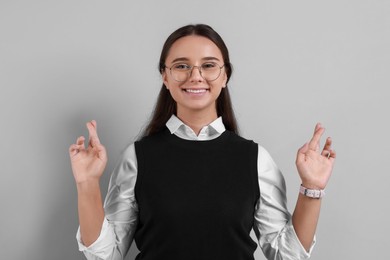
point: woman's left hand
(315, 166)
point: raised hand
(88, 164)
(315, 166)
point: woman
(191, 188)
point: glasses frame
(199, 69)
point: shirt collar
(209, 132)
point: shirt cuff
(104, 244)
(294, 243)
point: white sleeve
(276, 234)
(121, 212)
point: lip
(195, 91)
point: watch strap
(315, 194)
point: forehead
(193, 48)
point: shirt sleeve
(275, 232)
(121, 212)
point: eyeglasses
(181, 72)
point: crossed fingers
(80, 142)
(314, 143)
(93, 136)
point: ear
(165, 78)
(224, 82)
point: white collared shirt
(277, 237)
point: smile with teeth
(196, 91)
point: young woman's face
(194, 93)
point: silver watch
(315, 194)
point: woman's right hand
(88, 164)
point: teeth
(195, 90)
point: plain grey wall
(63, 63)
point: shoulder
(128, 149)
(263, 155)
(263, 151)
(152, 138)
(265, 159)
(124, 173)
(233, 137)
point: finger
(315, 140)
(80, 140)
(79, 145)
(332, 154)
(74, 149)
(328, 144)
(94, 142)
(318, 126)
(327, 147)
(92, 129)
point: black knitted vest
(196, 199)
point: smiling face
(195, 94)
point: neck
(197, 120)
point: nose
(195, 74)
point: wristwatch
(315, 194)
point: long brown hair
(166, 105)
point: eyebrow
(203, 59)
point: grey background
(63, 63)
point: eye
(181, 66)
(209, 65)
